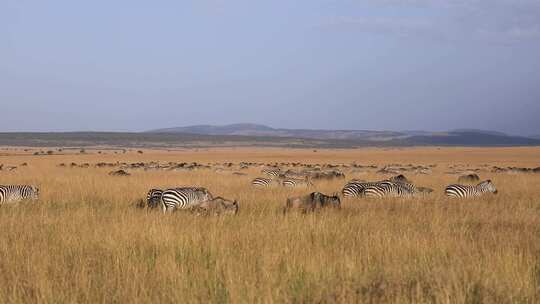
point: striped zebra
(153, 198)
(272, 172)
(463, 191)
(184, 198)
(295, 182)
(390, 189)
(16, 193)
(265, 182)
(356, 188)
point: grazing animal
(424, 190)
(272, 172)
(119, 173)
(294, 182)
(356, 188)
(312, 202)
(469, 178)
(399, 179)
(216, 206)
(265, 182)
(153, 198)
(17, 193)
(328, 175)
(184, 198)
(390, 189)
(464, 191)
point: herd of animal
(201, 201)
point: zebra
(153, 198)
(184, 198)
(390, 189)
(463, 191)
(295, 182)
(357, 187)
(272, 172)
(16, 193)
(265, 182)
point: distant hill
(252, 135)
(234, 129)
(262, 130)
(470, 138)
(478, 131)
(463, 137)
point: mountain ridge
(251, 129)
(454, 137)
(190, 140)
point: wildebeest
(119, 173)
(328, 175)
(216, 206)
(399, 179)
(312, 202)
(469, 178)
(424, 190)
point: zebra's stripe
(292, 183)
(153, 198)
(465, 191)
(271, 172)
(390, 189)
(356, 188)
(183, 198)
(263, 182)
(15, 193)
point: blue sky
(382, 65)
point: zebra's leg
(163, 207)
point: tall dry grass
(85, 241)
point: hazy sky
(374, 64)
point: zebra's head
(206, 194)
(488, 186)
(35, 192)
(153, 198)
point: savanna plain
(85, 240)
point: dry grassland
(84, 241)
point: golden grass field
(84, 240)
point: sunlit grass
(85, 241)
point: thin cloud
(498, 21)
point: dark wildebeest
(424, 190)
(399, 179)
(469, 178)
(216, 206)
(312, 202)
(119, 173)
